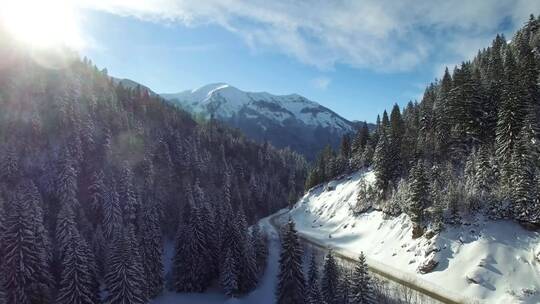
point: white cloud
(382, 35)
(321, 82)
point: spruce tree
(291, 284)
(259, 243)
(525, 164)
(25, 272)
(190, 262)
(418, 192)
(228, 278)
(313, 290)
(330, 280)
(77, 279)
(508, 121)
(442, 119)
(124, 279)
(151, 248)
(382, 161)
(361, 282)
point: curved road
(380, 272)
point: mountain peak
(285, 120)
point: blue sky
(356, 60)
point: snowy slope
(486, 261)
(224, 101)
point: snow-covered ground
(264, 294)
(483, 262)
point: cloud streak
(381, 35)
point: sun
(42, 23)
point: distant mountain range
(284, 120)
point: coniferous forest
(99, 181)
(95, 178)
(470, 146)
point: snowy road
(275, 219)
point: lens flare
(42, 24)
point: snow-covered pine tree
(381, 161)
(260, 244)
(247, 264)
(99, 249)
(97, 194)
(524, 162)
(112, 213)
(418, 192)
(26, 274)
(10, 165)
(151, 248)
(344, 287)
(124, 279)
(228, 278)
(127, 196)
(330, 280)
(77, 278)
(361, 283)
(441, 117)
(291, 283)
(313, 289)
(66, 179)
(190, 268)
(509, 118)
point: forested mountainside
(469, 147)
(283, 120)
(94, 176)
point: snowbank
(485, 261)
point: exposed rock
(417, 231)
(472, 280)
(428, 264)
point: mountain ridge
(284, 120)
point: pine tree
(361, 282)
(151, 248)
(25, 272)
(442, 119)
(10, 165)
(112, 214)
(396, 135)
(525, 163)
(508, 121)
(126, 193)
(418, 193)
(330, 280)
(190, 263)
(313, 292)
(97, 194)
(124, 277)
(291, 284)
(229, 277)
(77, 279)
(247, 265)
(66, 180)
(382, 161)
(259, 243)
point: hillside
(284, 120)
(488, 260)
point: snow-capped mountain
(284, 120)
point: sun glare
(42, 23)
